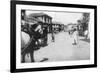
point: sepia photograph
(52, 36)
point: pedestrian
(45, 32)
(53, 38)
(75, 36)
(86, 34)
(52, 34)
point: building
(42, 17)
(57, 26)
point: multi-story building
(42, 17)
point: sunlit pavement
(63, 50)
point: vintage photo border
(13, 35)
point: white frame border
(20, 65)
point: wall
(5, 36)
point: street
(62, 50)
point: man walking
(75, 36)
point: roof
(39, 14)
(31, 19)
(54, 22)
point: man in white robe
(75, 36)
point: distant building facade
(57, 26)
